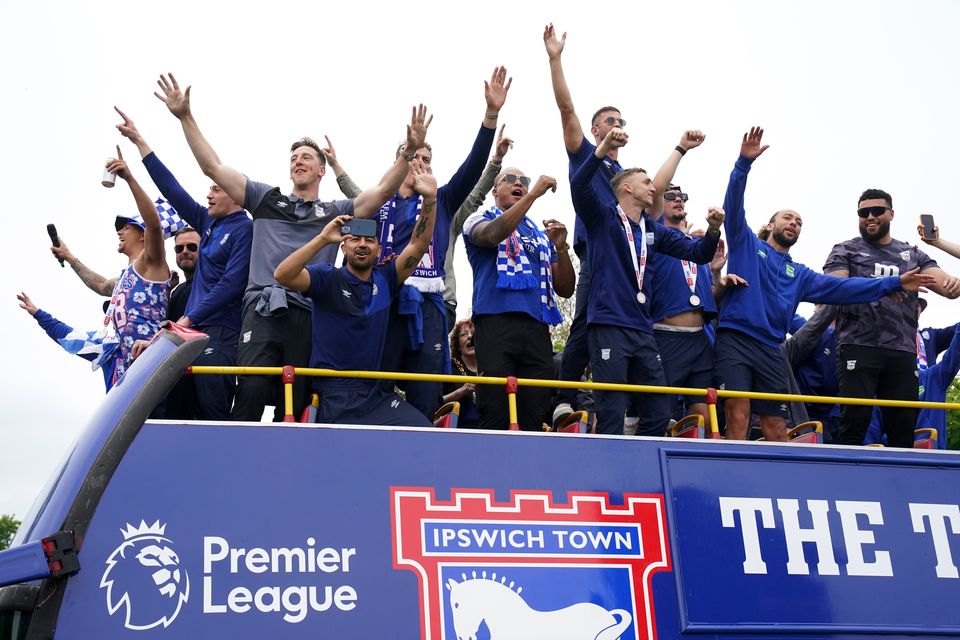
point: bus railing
(511, 385)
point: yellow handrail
(560, 384)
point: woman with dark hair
(463, 361)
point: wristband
(682, 151)
(563, 248)
(491, 116)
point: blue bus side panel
(286, 532)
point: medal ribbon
(638, 267)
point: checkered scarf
(95, 346)
(170, 220)
(515, 272)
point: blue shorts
(746, 364)
(687, 360)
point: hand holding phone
(929, 229)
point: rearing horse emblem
(507, 615)
(580, 570)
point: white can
(108, 179)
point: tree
(8, 527)
(953, 417)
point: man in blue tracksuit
(215, 304)
(754, 319)
(623, 237)
(417, 340)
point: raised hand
(692, 139)
(614, 139)
(119, 166)
(553, 45)
(556, 231)
(331, 233)
(329, 153)
(733, 280)
(177, 101)
(26, 303)
(936, 234)
(715, 217)
(495, 91)
(544, 184)
(417, 129)
(62, 252)
(424, 182)
(127, 128)
(751, 147)
(913, 280)
(719, 257)
(504, 144)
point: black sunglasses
(192, 246)
(511, 178)
(612, 121)
(673, 195)
(876, 212)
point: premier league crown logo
(530, 568)
(143, 578)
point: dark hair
(455, 353)
(185, 230)
(309, 142)
(673, 187)
(593, 120)
(763, 233)
(618, 179)
(401, 146)
(874, 194)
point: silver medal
(694, 300)
(641, 298)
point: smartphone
(360, 227)
(928, 225)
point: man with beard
(351, 309)
(754, 318)
(186, 244)
(518, 270)
(877, 342)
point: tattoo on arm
(425, 214)
(92, 279)
(410, 262)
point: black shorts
(744, 363)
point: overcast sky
(852, 95)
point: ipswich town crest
(531, 568)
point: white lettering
(937, 515)
(239, 600)
(819, 534)
(257, 560)
(209, 557)
(208, 606)
(855, 538)
(748, 508)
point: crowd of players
(652, 304)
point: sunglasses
(876, 212)
(511, 178)
(191, 246)
(610, 120)
(673, 195)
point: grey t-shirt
(888, 323)
(281, 225)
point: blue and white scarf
(515, 272)
(427, 277)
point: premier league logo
(143, 578)
(530, 568)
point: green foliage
(567, 306)
(953, 417)
(8, 527)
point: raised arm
(93, 280)
(373, 198)
(347, 186)
(585, 200)
(564, 278)
(490, 233)
(750, 150)
(572, 132)
(689, 140)
(292, 271)
(178, 102)
(152, 263)
(483, 186)
(951, 248)
(426, 185)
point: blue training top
(601, 183)
(350, 317)
(777, 285)
(671, 293)
(613, 287)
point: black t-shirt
(178, 300)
